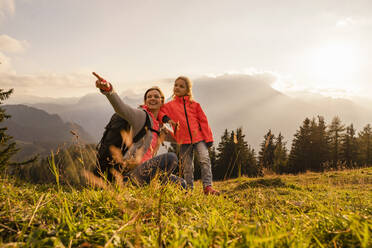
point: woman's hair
(157, 89)
(188, 86)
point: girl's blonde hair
(188, 86)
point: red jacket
(193, 124)
(153, 148)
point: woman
(143, 120)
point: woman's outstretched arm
(135, 117)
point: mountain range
(37, 131)
(229, 101)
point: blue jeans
(163, 164)
(186, 157)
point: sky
(48, 48)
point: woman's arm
(135, 117)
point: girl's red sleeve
(203, 122)
(163, 112)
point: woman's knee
(170, 161)
(172, 157)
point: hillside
(91, 112)
(332, 209)
(36, 131)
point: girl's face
(153, 100)
(180, 88)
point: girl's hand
(102, 84)
(174, 124)
(166, 128)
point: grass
(332, 209)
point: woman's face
(180, 88)
(153, 100)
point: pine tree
(7, 146)
(299, 157)
(230, 168)
(235, 157)
(213, 156)
(280, 155)
(241, 153)
(365, 146)
(319, 144)
(349, 149)
(252, 168)
(225, 149)
(335, 130)
(244, 161)
(266, 154)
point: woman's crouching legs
(164, 164)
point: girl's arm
(203, 122)
(163, 114)
(163, 117)
(168, 135)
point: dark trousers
(164, 164)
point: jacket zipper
(187, 119)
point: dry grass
(332, 209)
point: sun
(334, 66)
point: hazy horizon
(249, 102)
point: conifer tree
(349, 149)
(230, 168)
(235, 157)
(244, 161)
(299, 157)
(365, 146)
(213, 156)
(252, 168)
(335, 131)
(280, 155)
(225, 149)
(266, 154)
(7, 146)
(319, 144)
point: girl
(191, 130)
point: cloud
(348, 21)
(49, 84)
(267, 77)
(7, 7)
(9, 44)
(353, 21)
(5, 65)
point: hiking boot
(210, 191)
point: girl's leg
(205, 163)
(186, 157)
(165, 163)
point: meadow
(330, 209)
